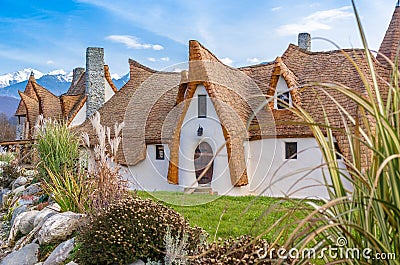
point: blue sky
(48, 34)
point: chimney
(95, 81)
(304, 41)
(76, 74)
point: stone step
(199, 190)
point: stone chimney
(304, 41)
(76, 74)
(95, 81)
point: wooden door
(203, 155)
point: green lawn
(239, 215)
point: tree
(7, 129)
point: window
(202, 106)
(337, 150)
(159, 152)
(291, 150)
(283, 100)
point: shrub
(57, 147)
(369, 216)
(240, 250)
(132, 229)
(104, 177)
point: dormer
(282, 87)
(282, 96)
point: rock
(32, 190)
(26, 221)
(58, 227)
(18, 190)
(20, 181)
(3, 195)
(23, 223)
(60, 253)
(72, 263)
(27, 255)
(43, 215)
(18, 211)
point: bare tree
(7, 129)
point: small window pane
(283, 100)
(202, 106)
(159, 152)
(291, 150)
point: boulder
(43, 215)
(18, 211)
(20, 181)
(23, 223)
(18, 190)
(26, 221)
(32, 190)
(60, 253)
(27, 255)
(59, 227)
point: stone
(59, 227)
(32, 189)
(43, 215)
(3, 195)
(27, 255)
(95, 81)
(18, 211)
(18, 190)
(20, 181)
(25, 221)
(72, 263)
(60, 253)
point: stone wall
(95, 80)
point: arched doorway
(202, 157)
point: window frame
(201, 99)
(160, 152)
(278, 98)
(292, 156)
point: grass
(227, 216)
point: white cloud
(132, 42)
(227, 60)
(165, 59)
(50, 62)
(253, 60)
(152, 59)
(274, 9)
(316, 21)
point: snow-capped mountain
(18, 76)
(57, 81)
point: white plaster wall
(213, 135)
(80, 117)
(109, 92)
(273, 175)
(151, 174)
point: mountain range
(57, 82)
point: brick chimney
(304, 41)
(76, 74)
(95, 81)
